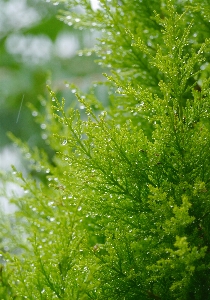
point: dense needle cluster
(124, 210)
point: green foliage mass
(123, 211)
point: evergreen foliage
(124, 210)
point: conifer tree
(124, 212)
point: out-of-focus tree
(37, 49)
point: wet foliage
(123, 210)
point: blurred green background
(37, 49)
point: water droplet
(64, 142)
(43, 126)
(34, 113)
(79, 208)
(44, 136)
